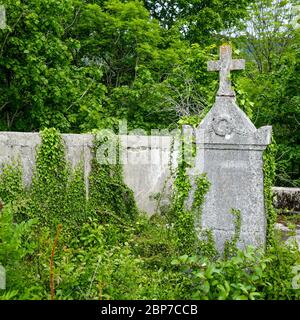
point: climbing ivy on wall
(107, 191)
(182, 217)
(58, 193)
(269, 169)
(230, 247)
(50, 182)
(11, 182)
(202, 187)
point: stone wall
(145, 160)
(146, 166)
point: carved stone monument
(230, 151)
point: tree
(40, 86)
(145, 69)
(271, 44)
(199, 20)
(269, 32)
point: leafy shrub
(15, 244)
(251, 274)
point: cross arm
(237, 64)
(214, 65)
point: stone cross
(224, 66)
(229, 150)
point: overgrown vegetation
(99, 251)
(82, 65)
(269, 179)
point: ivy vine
(230, 247)
(184, 218)
(58, 193)
(269, 169)
(108, 193)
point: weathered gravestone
(230, 151)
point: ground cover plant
(56, 243)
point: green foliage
(249, 275)
(278, 274)
(152, 77)
(268, 30)
(271, 80)
(80, 65)
(244, 102)
(200, 20)
(50, 177)
(12, 245)
(202, 187)
(182, 218)
(108, 193)
(41, 85)
(276, 103)
(75, 198)
(15, 245)
(89, 266)
(230, 248)
(50, 162)
(114, 256)
(11, 182)
(156, 242)
(269, 177)
(206, 245)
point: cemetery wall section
(146, 180)
(146, 160)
